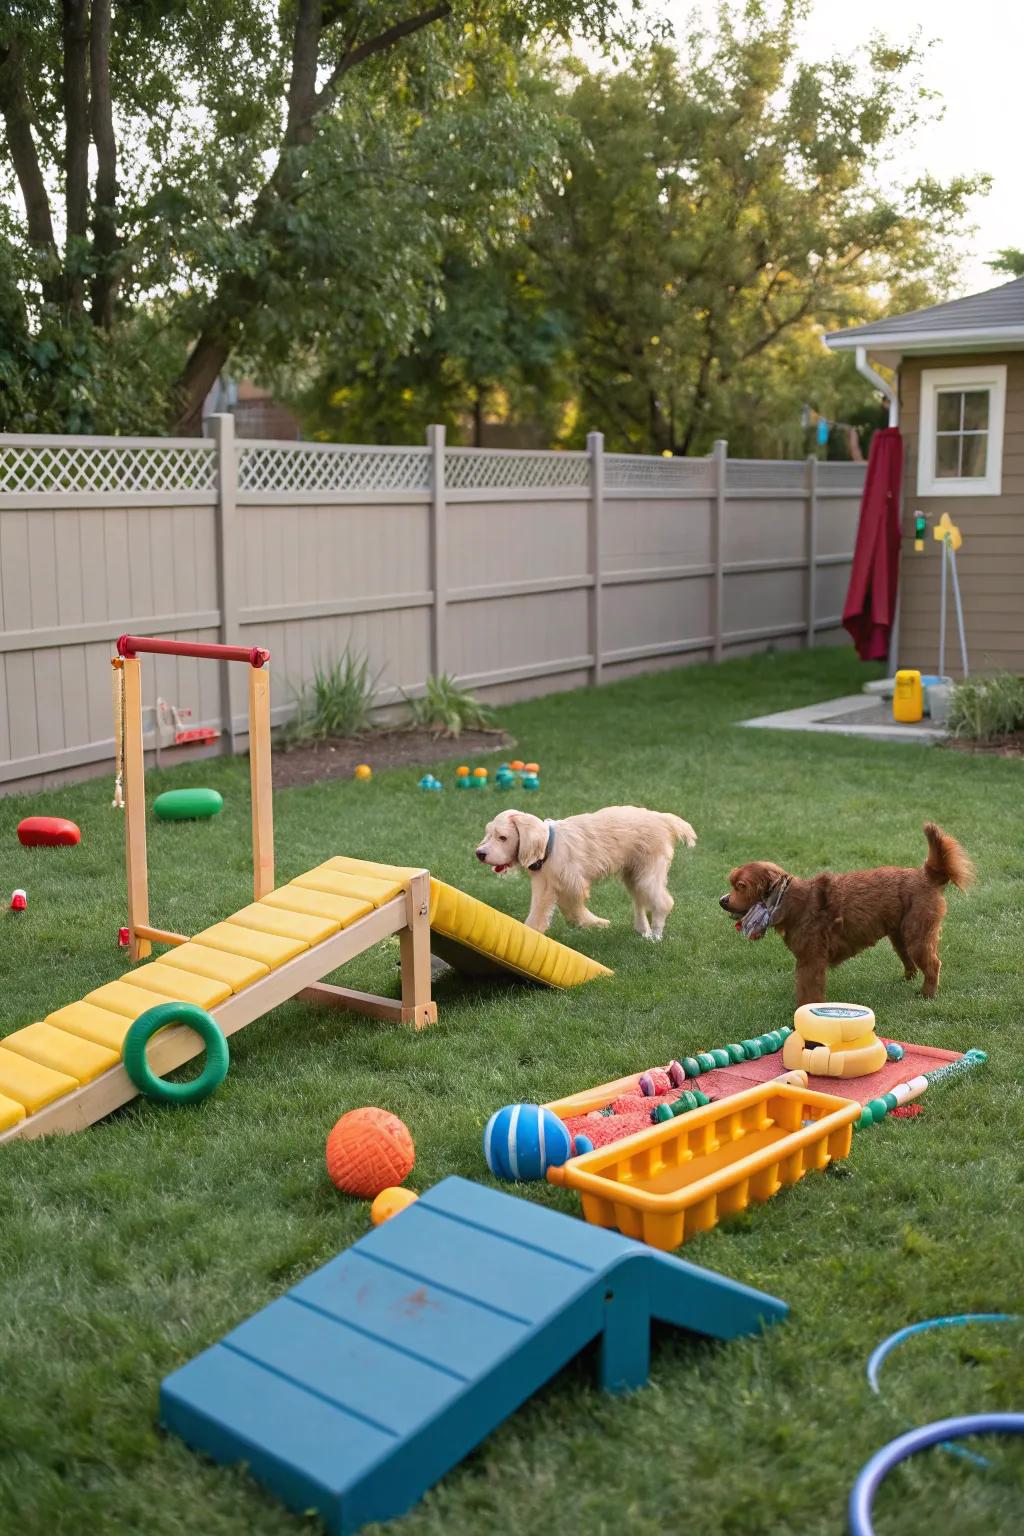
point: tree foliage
(188, 181)
(720, 202)
(1010, 261)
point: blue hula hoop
(864, 1489)
(895, 1339)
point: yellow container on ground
(908, 697)
(682, 1176)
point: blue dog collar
(547, 851)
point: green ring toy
(141, 1073)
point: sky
(977, 65)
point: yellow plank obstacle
(65, 1072)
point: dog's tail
(681, 830)
(946, 860)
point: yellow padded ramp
(357, 887)
(182, 986)
(295, 898)
(61, 1051)
(10, 1112)
(394, 872)
(270, 948)
(236, 970)
(29, 1084)
(92, 1023)
(287, 925)
(475, 937)
(119, 997)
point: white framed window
(960, 449)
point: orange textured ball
(369, 1150)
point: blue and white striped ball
(522, 1141)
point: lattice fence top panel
(842, 477)
(279, 468)
(472, 469)
(637, 471)
(115, 466)
(766, 475)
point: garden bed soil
(336, 758)
(1001, 746)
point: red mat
(633, 1110)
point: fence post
(221, 427)
(720, 459)
(812, 546)
(438, 551)
(595, 568)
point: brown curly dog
(829, 918)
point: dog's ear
(768, 877)
(533, 837)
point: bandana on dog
(755, 923)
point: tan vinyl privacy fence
(517, 572)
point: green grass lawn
(126, 1249)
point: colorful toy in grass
(48, 832)
(429, 782)
(19, 901)
(161, 1017)
(530, 781)
(834, 1040)
(505, 778)
(187, 804)
(876, 1110)
(369, 1150)
(481, 775)
(362, 771)
(522, 1141)
(517, 765)
(389, 1202)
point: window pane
(947, 410)
(947, 458)
(976, 410)
(975, 455)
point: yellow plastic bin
(683, 1175)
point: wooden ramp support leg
(261, 781)
(417, 1007)
(412, 924)
(135, 810)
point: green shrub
(338, 701)
(983, 708)
(448, 710)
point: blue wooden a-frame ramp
(363, 1385)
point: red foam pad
(48, 832)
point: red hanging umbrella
(871, 595)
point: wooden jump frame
(408, 916)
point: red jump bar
(131, 645)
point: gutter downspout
(866, 371)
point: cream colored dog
(565, 857)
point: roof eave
(910, 342)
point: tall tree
(727, 197)
(238, 176)
(1010, 261)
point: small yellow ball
(462, 772)
(479, 773)
(389, 1202)
(363, 771)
